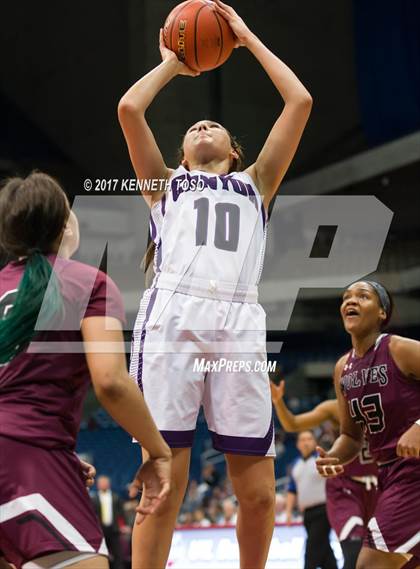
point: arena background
(64, 67)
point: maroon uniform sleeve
(106, 299)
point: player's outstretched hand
(153, 479)
(168, 54)
(239, 28)
(409, 443)
(328, 466)
(277, 391)
(89, 473)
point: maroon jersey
(41, 394)
(363, 464)
(380, 397)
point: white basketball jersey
(209, 226)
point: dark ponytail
(33, 213)
(17, 328)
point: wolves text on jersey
(375, 374)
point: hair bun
(34, 251)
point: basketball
(199, 36)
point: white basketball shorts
(189, 351)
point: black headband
(382, 295)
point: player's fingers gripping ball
(199, 35)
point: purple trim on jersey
(263, 213)
(143, 337)
(252, 446)
(158, 256)
(153, 230)
(178, 439)
(163, 205)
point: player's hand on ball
(169, 55)
(328, 466)
(239, 28)
(153, 480)
(277, 391)
(89, 473)
(409, 443)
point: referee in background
(308, 487)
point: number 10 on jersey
(226, 235)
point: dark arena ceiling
(64, 67)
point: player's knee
(260, 500)
(174, 498)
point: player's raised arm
(325, 411)
(283, 140)
(145, 154)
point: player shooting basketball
(208, 260)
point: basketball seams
(202, 44)
(174, 17)
(195, 33)
(221, 36)
(171, 27)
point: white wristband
(418, 422)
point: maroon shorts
(350, 505)
(395, 526)
(44, 505)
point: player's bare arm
(325, 411)
(120, 396)
(406, 354)
(145, 154)
(113, 385)
(349, 443)
(283, 140)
